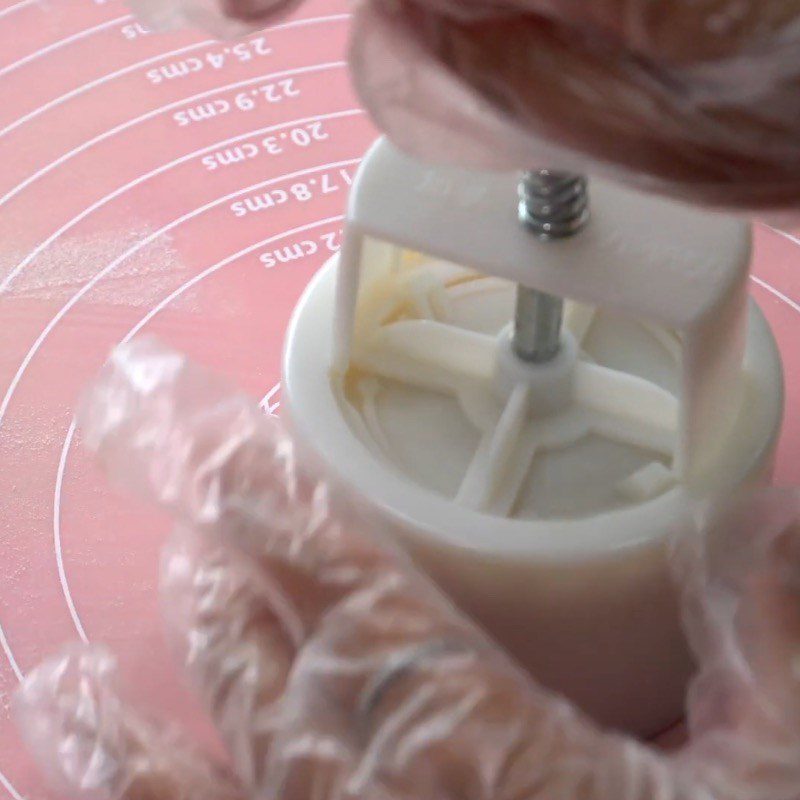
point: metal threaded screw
(553, 205)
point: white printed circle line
(67, 444)
(776, 292)
(79, 90)
(193, 281)
(9, 787)
(108, 269)
(785, 234)
(4, 13)
(767, 286)
(62, 43)
(9, 654)
(59, 161)
(62, 575)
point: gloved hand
(333, 670)
(695, 98)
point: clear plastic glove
(696, 98)
(333, 670)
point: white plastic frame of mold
(586, 603)
(646, 257)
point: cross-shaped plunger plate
(415, 336)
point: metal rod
(553, 205)
(537, 325)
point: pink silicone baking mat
(187, 188)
